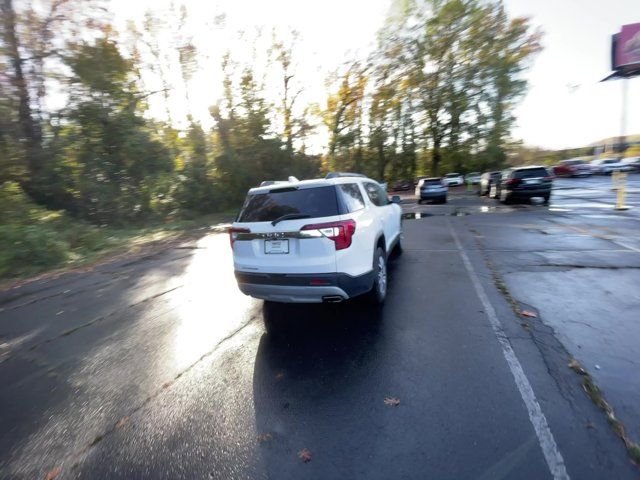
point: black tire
(546, 199)
(505, 199)
(419, 201)
(378, 292)
(397, 250)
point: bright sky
(577, 52)
(552, 115)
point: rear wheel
(378, 292)
(546, 199)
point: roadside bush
(29, 248)
(33, 238)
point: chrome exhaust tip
(332, 299)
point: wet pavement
(158, 367)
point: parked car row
(576, 167)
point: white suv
(453, 179)
(311, 241)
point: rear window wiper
(289, 216)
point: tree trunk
(27, 126)
(436, 157)
(382, 161)
(288, 127)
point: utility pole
(623, 116)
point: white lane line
(545, 438)
(625, 245)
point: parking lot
(158, 367)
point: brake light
(340, 232)
(233, 234)
(512, 182)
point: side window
(351, 196)
(376, 194)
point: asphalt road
(158, 367)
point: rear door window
(266, 207)
(530, 173)
(376, 194)
(351, 196)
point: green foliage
(33, 238)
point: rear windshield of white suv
(266, 207)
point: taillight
(233, 234)
(340, 232)
(512, 182)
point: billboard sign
(627, 47)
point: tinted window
(452, 175)
(432, 182)
(265, 207)
(530, 173)
(351, 197)
(376, 194)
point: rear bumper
(303, 288)
(432, 195)
(538, 192)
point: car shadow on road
(311, 364)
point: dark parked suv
(523, 183)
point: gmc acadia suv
(310, 241)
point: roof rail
(343, 174)
(266, 183)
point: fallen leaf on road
(166, 384)
(591, 426)
(527, 313)
(53, 473)
(576, 367)
(280, 376)
(304, 455)
(265, 437)
(392, 401)
(122, 422)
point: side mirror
(395, 199)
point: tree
(294, 126)
(343, 117)
(116, 162)
(31, 37)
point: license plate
(276, 246)
(532, 181)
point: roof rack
(343, 174)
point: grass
(42, 247)
(34, 240)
